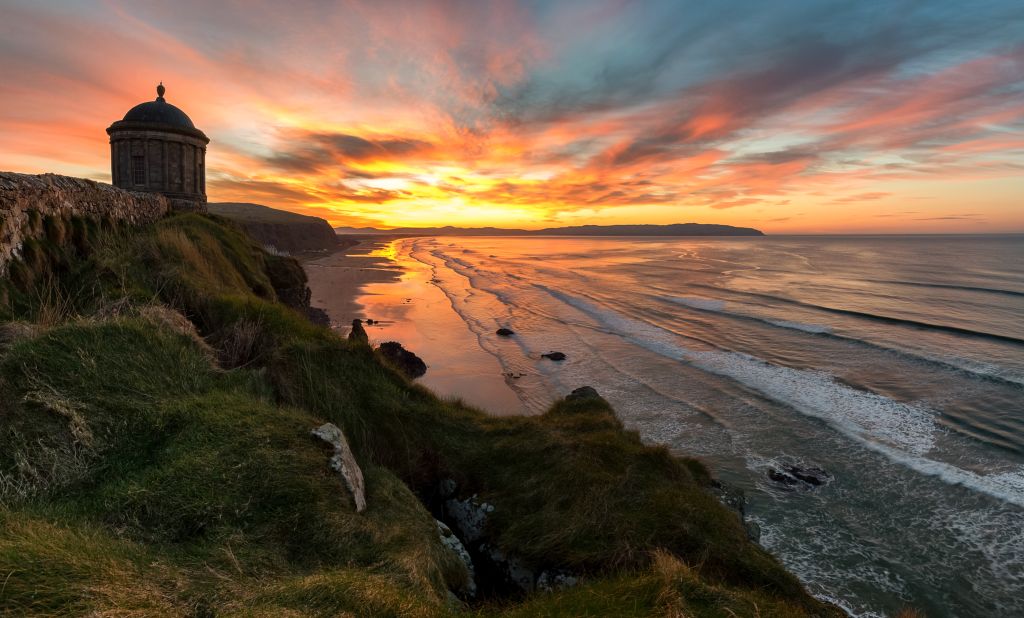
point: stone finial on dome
(157, 149)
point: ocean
(894, 363)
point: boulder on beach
(555, 356)
(505, 332)
(583, 392)
(358, 333)
(401, 359)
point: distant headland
(674, 229)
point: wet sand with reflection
(373, 281)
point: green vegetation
(283, 230)
(257, 213)
(158, 392)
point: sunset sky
(789, 116)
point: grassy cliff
(280, 229)
(157, 392)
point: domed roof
(159, 112)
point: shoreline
(371, 280)
(336, 280)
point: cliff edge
(282, 230)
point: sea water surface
(894, 363)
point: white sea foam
(863, 415)
(705, 304)
(1006, 486)
(902, 432)
(805, 558)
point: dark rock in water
(358, 333)
(555, 356)
(782, 478)
(370, 322)
(505, 332)
(583, 392)
(812, 476)
(403, 360)
(795, 475)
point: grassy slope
(158, 465)
(257, 213)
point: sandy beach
(336, 279)
(374, 280)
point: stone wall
(50, 194)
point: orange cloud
(466, 113)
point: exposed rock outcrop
(505, 332)
(469, 515)
(452, 542)
(496, 569)
(344, 462)
(513, 571)
(556, 579)
(555, 356)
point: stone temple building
(156, 148)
